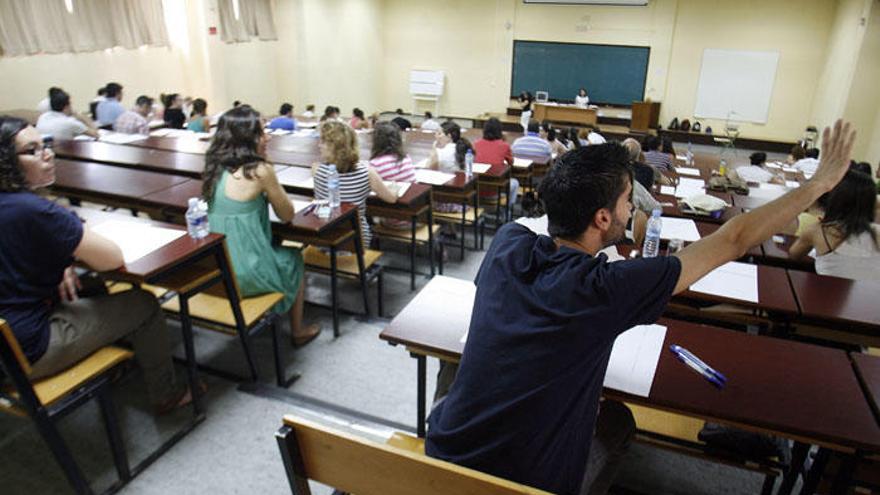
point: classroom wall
(863, 97)
(330, 53)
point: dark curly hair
(11, 177)
(387, 141)
(235, 145)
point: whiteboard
(426, 82)
(736, 85)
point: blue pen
(698, 365)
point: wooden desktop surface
(838, 301)
(868, 370)
(774, 385)
(187, 164)
(111, 182)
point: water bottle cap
(193, 202)
(656, 212)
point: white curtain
(255, 19)
(29, 27)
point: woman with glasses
(39, 297)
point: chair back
(357, 465)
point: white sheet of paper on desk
(792, 184)
(83, 137)
(156, 123)
(694, 183)
(773, 166)
(768, 193)
(694, 172)
(481, 168)
(681, 157)
(790, 170)
(679, 228)
(119, 138)
(423, 163)
(136, 240)
(160, 132)
(634, 359)
(667, 190)
(433, 177)
(686, 191)
(399, 188)
(521, 162)
(300, 204)
(732, 280)
(307, 125)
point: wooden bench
(357, 465)
(347, 266)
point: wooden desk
(868, 371)
(770, 389)
(113, 186)
(839, 303)
(185, 164)
(776, 254)
(774, 294)
(568, 114)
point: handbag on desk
(726, 184)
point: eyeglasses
(36, 151)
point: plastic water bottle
(652, 236)
(469, 164)
(333, 187)
(197, 219)
(722, 168)
(690, 155)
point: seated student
(846, 241)
(338, 146)
(330, 113)
(111, 108)
(391, 163)
(756, 172)
(358, 120)
(62, 122)
(401, 121)
(548, 133)
(284, 121)
(448, 155)
(655, 157)
(582, 100)
(525, 404)
(531, 145)
(642, 174)
(45, 105)
(93, 105)
(574, 141)
(173, 115)
(198, 118)
(38, 285)
(238, 184)
(494, 150)
(809, 164)
(797, 153)
(310, 111)
(136, 120)
(429, 124)
(666, 147)
(588, 136)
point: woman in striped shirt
(338, 147)
(389, 160)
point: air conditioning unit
(628, 3)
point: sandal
(311, 332)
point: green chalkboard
(612, 74)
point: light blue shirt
(284, 123)
(531, 145)
(108, 111)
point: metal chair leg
(62, 455)
(380, 289)
(114, 436)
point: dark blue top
(36, 246)
(525, 400)
(283, 123)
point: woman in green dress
(238, 184)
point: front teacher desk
(569, 114)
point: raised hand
(837, 146)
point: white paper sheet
(682, 192)
(136, 239)
(307, 125)
(790, 170)
(792, 184)
(682, 157)
(691, 183)
(433, 177)
(732, 280)
(481, 168)
(293, 177)
(521, 162)
(774, 166)
(767, 191)
(160, 132)
(118, 138)
(634, 359)
(694, 172)
(667, 190)
(679, 228)
(399, 188)
(300, 204)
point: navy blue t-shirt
(36, 246)
(525, 399)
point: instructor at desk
(526, 402)
(582, 100)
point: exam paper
(767, 191)
(433, 177)
(481, 168)
(694, 172)
(634, 359)
(732, 280)
(683, 192)
(679, 228)
(521, 162)
(135, 239)
(792, 184)
(691, 183)
(118, 138)
(667, 190)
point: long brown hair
(387, 141)
(343, 145)
(235, 145)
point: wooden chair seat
(344, 264)
(406, 234)
(667, 424)
(51, 389)
(216, 309)
(455, 217)
(404, 441)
